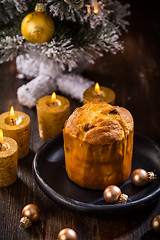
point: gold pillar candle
(16, 125)
(8, 160)
(99, 93)
(52, 112)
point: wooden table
(135, 76)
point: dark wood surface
(135, 76)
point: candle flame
(12, 115)
(97, 88)
(53, 97)
(1, 136)
(95, 10)
(89, 9)
(95, 6)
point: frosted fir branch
(118, 14)
(10, 47)
(108, 10)
(8, 14)
(62, 10)
(62, 52)
(107, 40)
(67, 52)
(86, 38)
(4, 18)
(20, 5)
(11, 14)
(67, 49)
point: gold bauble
(139, 177)
(32, 212)
(155, 224)
(38, 27)
(67, 234)
(111, 194)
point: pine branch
(11, 14)
(77, 35)
(10, 47)
(111, 10)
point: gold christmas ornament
(155, 224)
(112, 194)
(30, 213)
(38, 27)
(67, 234)
(140, 177)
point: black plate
(50, 174)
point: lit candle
(95, 6)
(16, 125)
(52, 112)
(8, 160)
(95, 9)
(99, 93)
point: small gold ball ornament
(30, 213)
(38, 27)
(155, 224)
(140, 177)
(113, 194)
(67, 234)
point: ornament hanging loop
(151, 176)
(40, 7)
(25, 223)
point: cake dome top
(99, 123)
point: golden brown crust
(99, 123)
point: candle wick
(98, 94)
(12, 121)
(54, 103)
